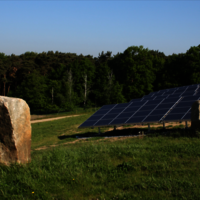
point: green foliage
(116, 95)
(33, 90)
(83, 72)
(193, 64)
(135, 71)
(66, 81)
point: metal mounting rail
(170, 110)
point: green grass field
(160, 165)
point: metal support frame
(186, 125)
(114, 128)
(163, 125)
(99, 130)
(148, 127)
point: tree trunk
(110, 79)
(85, 86)
(52, 95)
(70, 81)
(4, 86)
(8, 90)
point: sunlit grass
(155, 166)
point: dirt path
(51, 119)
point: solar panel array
(161, 106)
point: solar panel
(187, 116)
(98, 115)
(101, 112)
(126, 114)
(153, 118)
(118, 121)
(161, 96)
(191, 89)
(95, 117)
(179, 91)
(180, 111)
(142, 113)
(147, 98)
(171, 99)
(107, 107)
(122, 118)
(190, 98)
(188, 93)
(169, 92)
(127, 110)
(109, 116)
(122, 105)
(137, 104)
(196, 93)
(87, 124)
(164, 105)
(146, 107)
(161, 110)
(135, 100)
(132, 109)
(176, 95)
(175, 117)
(103, 122)
(135, 120)
(153, 111)
(116, 110)
(145, 111)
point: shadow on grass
(175, 132)
(113, 133)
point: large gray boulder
(15, 131)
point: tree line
(50, 81)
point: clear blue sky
(89, 27)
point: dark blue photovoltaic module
(165, 105)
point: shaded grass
(162, 165)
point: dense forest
(50, 81)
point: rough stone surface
(195, 115)
(15, 131)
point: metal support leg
(163, 125)
(114, 128)
(99, 130)
(148, 127)
(186, 125)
